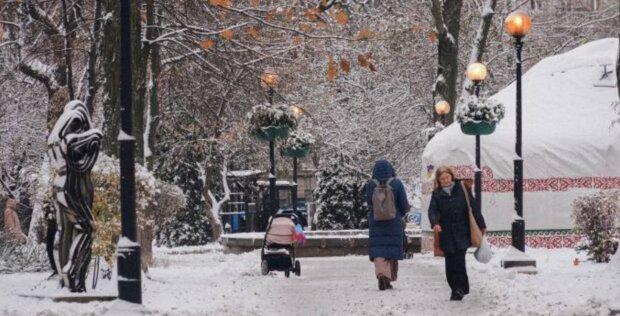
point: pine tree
(189, 226)
(340, 197)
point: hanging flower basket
(478, 128)
(270, 133)
(297, 145)
(479, 116)
(270, 122)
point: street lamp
(442, 108)
(270, 80)
(518, 24)
(477, 72)
(297, 113)
(129, 272)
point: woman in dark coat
(448, 215)
(385, 245)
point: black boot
(384, 283)
(457, 295)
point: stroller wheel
(297, 268)
(287, 273)
(264, 267)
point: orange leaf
(312, 14)
(362, 60)
(342, 18)
(345, 65)
(270, 15)
(254, 3)
(332, 69)
(220, 3)
(416, 28)
(321, 25)
(364, 34)
(371, 66)
(1, 32)
(207, 44)
(305, 27)
(290, 14)
(432, 36)
(227, 34)
(297, 40)
(253, 32)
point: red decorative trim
(490, 184)
(552, 241)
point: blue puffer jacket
(386, 237)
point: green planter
(272, 132)
(297, 152)
(478, 128)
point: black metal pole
(478, 174)
(294, 193)
(518, 225)
(129, 272)
(272, 167)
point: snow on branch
(40, 72)
(216, 206)
(42, 17)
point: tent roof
(567, 121)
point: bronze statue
(73, 147)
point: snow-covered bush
(297, 141)
(340, 198)
(156, 201)
(22, 258)
(595, 217)
(472, 109)
(265, 116)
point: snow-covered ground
(205, 281)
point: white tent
(569, 145)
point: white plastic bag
(483, 253)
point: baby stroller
(278, 251)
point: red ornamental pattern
(540, 240)
(489, 184)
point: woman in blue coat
(385, 244)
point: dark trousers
(49, 243)
(456, 273)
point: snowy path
(214, 283)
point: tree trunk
(447, 19)
(110, 60)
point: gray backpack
(383, 201)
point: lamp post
(129, 272)
(477, 72)
(270, 80)
(442, 108)
(518, 24)
(297, 113)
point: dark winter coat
(451, 212)
(386, 237)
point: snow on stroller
(278, 251)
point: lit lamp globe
(518, 24)
(442, 108)
(269, 78)
(297, 111)
(476, 72)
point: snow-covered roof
(567, 122)
(278, 183)
(243, 173)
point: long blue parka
(386, 237)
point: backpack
(383, 201)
